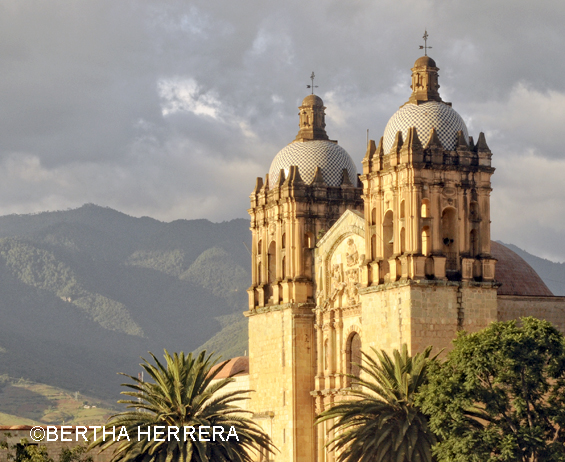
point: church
(344, 262)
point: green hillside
(27, 403)
(232, 340)
(86, 292)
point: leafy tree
(76, 454)
(24, 451)
(500, 396)
(183, 394)
(381, 423)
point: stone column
(320, 347)
(339, 348)
(320, 431)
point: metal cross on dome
(312, 86)
(425, 46)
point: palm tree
(183, 393)
(381, 423)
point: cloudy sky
(171, 109)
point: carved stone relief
(344, 270)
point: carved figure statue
(351, 254)
(338, 284)
(336, 277)
(352, 288)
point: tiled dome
(425, 117)
(307, 155)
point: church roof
(515, 275)
(425, 110)
(312, 149)
(234, 366)
(432, 114)
(308, 155)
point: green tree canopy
(183, 393)
(500, 395)
(381, 422)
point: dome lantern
(425, 84)
(425, 110)
(312, 121)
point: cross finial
(425, 46)
(312, 86)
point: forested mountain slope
(85, 292)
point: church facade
(399, 254)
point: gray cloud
(171, 109)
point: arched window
(449, 228)
(272, 262)
(374, 247)
(283, 269)
(308, 254)
(474, 210)
(374, 216)
(402, 240)
(449, 238)
(426, 241)
(353, 355)
(259, 246)
(283, 241)
(402, 209)
(388, 240)
(474, 242)
(425, 213)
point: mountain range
(86, 292)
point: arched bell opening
(474, 243)
(388, 241)
(474, 211)
(449, 238)
(426, 241)
(309, 244)
(402, 240)
(425, 209)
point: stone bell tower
(311, 183)
(427, 212)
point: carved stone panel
(345, 262)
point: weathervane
(425, 46)
(312, 86)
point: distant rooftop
(233, 368)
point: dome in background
(308, 155)
(425, 116)
(515, 274)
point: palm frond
(379, 421)
(184, 392)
